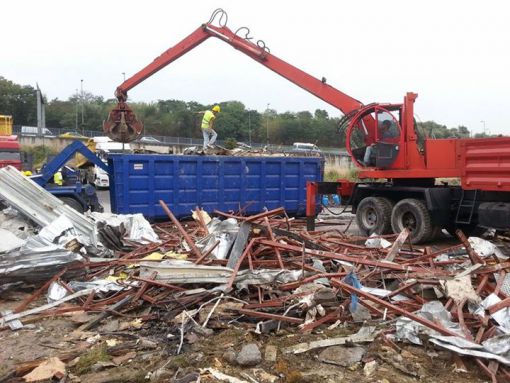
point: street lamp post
(124, 75)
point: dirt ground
(118, 352)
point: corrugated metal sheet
(486, 163)
(210, 182)
(39, 205)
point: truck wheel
(373, 215)
(412, 214)
(72, 203)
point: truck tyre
(72, 203)
(413, 214)
(373, 215)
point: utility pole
(124, 75)
(484, 127)
(82, 119)
(249, 126)
(267, 124)
(76, 112)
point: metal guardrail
(184, 141)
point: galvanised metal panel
(139, 181)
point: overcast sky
(454, 54)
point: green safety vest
(208, 117)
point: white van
(305, 147)
(33, 131)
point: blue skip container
(139, 181)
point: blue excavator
(74, 193)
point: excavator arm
(122, 124)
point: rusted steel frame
(252, 218)
(346, 244)
(275, 302)
(250, 261)
(207, 253)
(425, 274)
(259, 314)
(161, 295)
(434, 254)
(341, 257)
(489, 332)
(89, 299)
(498, 306)
(491, 288)
(294, 285)
(140, 250)
(402, 288)
(473, 256)
(481, 285)
(460, 318)
(486, 370)
(186, 236)
(159, 283)
(143, 287)
(394, 308)
(36, 294)
(450, 262)
(272, 238)
(239, 262)
(479, 334)
(505, 373)
(116, 297)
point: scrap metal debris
(266, 273)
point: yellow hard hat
(216, 108)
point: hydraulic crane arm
(122, 125)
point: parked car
(72, 135)
(149, 140)
(33, 131)
(304, 148)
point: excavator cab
(374, 136)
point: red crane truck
(383, 142)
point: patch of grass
(333, 173)
(179, 361)
(91, 357)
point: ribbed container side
(139, 181)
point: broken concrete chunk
(342, 356)
(271, 353)
(249, 355)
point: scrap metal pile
(266, 272)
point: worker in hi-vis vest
(57, 178)
(207, 126)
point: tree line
(182, 119)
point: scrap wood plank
(397, 245)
